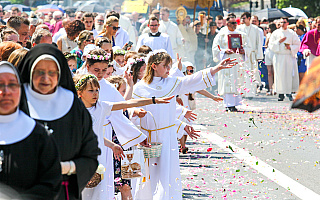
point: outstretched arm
(139, 102)
(209, 95)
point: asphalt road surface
(264, 151)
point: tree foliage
(17, 1)
(310, 7)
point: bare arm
(129, 90)
(138, 102)
(117, 150)
(209, 95)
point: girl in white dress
(88, 91)
(163, 180)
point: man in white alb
(285, 44)
(229, 79)
(155, 39)
(170, 28)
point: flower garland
(132, 61)
(71, 55)
(99, 57)
(84, 79)
(119, 52)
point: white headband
(6, 69)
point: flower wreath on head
(71, 55)
(84, 79)
(119, 52)
(132, 61)
(152, 53)
(98, 57)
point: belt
(149, 130)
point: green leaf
(231, 148)
(257, 163)
(238, 170)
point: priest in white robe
(188, 50)
(285, 44)
(229, 84)
(155, 39)
(254, 54)
(170, 28)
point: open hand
(163, 100)
(179, 60)
(191, 132)
(227, 63)
(129, 78)
(190, 116)
(179, 101)
(117, 152)
(217, 98)
(288, 46)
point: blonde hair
(16, 56)
(117, 81)
(155, 59)
(108, 22)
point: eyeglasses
(115, 28)
(100, 20)
(13, 87)
(58, 18)
(42, 73)
(233, 23)
(154, 25)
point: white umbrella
(295, 12)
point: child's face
(120, 60)
(72, 64)
(190, 70)
(109, 72)
(98, 69)
(107, 47)
(90, 95)
(122, 89)
(161, 70)
(142, 71)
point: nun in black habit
(29, 158)
(53, 101)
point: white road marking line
(270, 172)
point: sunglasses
(58, 18)
(233, 23)
(115, 28)
(92, 41)
(190, 70)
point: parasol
(50, 8)
(22, 8)
(295, 12)
(93, 8)
(272, 13)
(308, 96)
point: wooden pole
(194, 10)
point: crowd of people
(74, 88)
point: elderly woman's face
(45, 77)
(9, 93)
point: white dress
(174, 33)
(163, 180)
(286, 76)
(127, 133)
